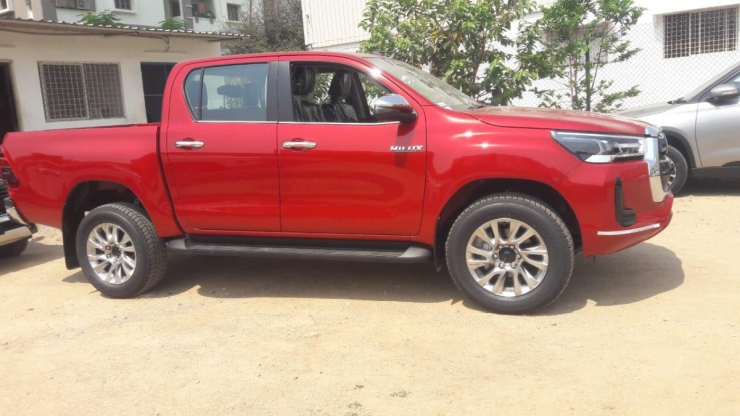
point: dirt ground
(652, 330)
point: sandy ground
(652, 330)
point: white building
(63, 75)
(683, 42)
(198, 15)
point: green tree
(104, 18)
(172, 24)
(584, 36)
(270, 26)
(482, 47)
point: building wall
(659, 79)
(332, 24)
(26, 51)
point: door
(221, 148)
(338, 168)
(718, 131)
(8, 114)
(154, 77)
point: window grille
(76, 4)
(73, 91)
(700, 32)
(123, 4)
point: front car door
(342, 171)
(220, 147)
(718, 130)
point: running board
(350, 252)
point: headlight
(601, 148)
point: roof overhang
(51, 28)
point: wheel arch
(84, 197)
(680, 142)
(475, 190)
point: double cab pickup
(350, 157)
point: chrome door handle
(299, 145)
(185, 144)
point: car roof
(355, 56)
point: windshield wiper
(677, 101)
(477, 106)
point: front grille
(3, 194)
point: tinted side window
(228, 93)
(325, 93)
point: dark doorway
(154, 76)
(8, 113)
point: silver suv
(703, 128)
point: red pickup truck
(350, 157)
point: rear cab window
(235, 93)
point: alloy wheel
(507, 257)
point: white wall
(331, 23)
(26, 51)
(659, 79)
(144, 12)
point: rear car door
(221, 152)
(342, 171)
(718, 130)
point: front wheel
(119, 250)
(678, 172)
(510, 253)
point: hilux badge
(415, 148)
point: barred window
(73, 91)
(700, 32)
(232, 11)
(123, 4)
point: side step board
(394, 254)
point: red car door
(341, 170)
(221, 154)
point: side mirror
(394, 108)
(724, 92)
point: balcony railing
(76, 4)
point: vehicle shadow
(630, 276)
(724, 181)
(224, 277)
(36, 254)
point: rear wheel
(510, 253)
(119, 250)
(13, 249)
(679, 170)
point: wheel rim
(672, 172)
(111, 254)
(507, 257)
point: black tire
(682, 169)
(13, 249)
(541, 219)
(151, 254)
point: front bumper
(12, 225)
(619, 205)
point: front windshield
(707, 84)
(433, 89)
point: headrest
(304, 80)
(341, 85)
(231, 91)
(251, 97)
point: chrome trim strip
(631, 231)
(234, 122)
